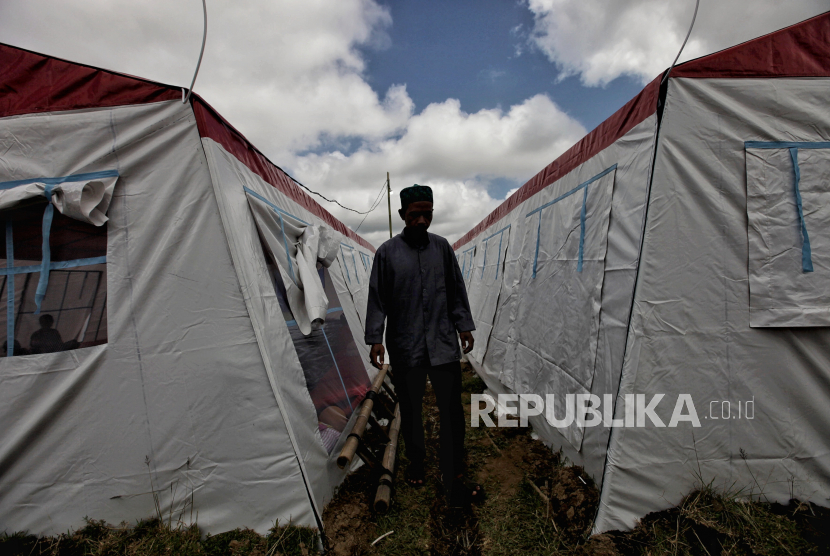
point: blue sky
(491, 64)
(470, 97)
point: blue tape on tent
(582, 230)
(43, 282)
(285, 245)
(343, 255)
(488, 238)
(484, 262)
(337, 367)
(276, 209)
(806, 252)
(574, 190)
(464, 270)
(354, 262)
(280, 213)
(48, 216)
(64, 179)
(498, 260)
(786, 145)
(57, 265)
(536, 253)
(584, 185)
(10, 291)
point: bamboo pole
(350, 447)
(384, 493)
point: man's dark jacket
(417, 287)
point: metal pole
(389, 202)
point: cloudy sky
(471, 97)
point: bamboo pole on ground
(350, 447)
(384, 493)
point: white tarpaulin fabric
(625, 188)
(485, 284)
(234, 184)
(356, 266)
(297, 246)
(760, 393)
(788, 209)
(178, 401)
(552, 339)
(83, 197)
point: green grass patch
(153, 537)
(517, 525)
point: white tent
(187, 280)
(681, 249)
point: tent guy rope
(201, 53)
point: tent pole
(389, 202)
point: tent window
(333, 369)
(73, 307)
(788, 233)
(583, 188)
(500, 236)
(366, 260)
(562, 265)
(467, 265)
(350, 249)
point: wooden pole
(384, 493)
(389, 202)
(350, 447)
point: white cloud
(456, 153)
(291, 77)
(285, 73)
(601, 40)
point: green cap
(414, 194)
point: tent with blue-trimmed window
(664, 285)
(181, 321)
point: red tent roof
(33, 83)
(801, 50)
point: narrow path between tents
(514, 518)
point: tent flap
(788, 228)
(296, 247)
(84, 197)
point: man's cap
(414, 194)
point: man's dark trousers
(410, 384)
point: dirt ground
(537, 505)
(505, 461)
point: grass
(518, 525)
(712, 522)
(154, 537)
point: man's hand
(376, 355)
(467, 341)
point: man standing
(417, 288)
